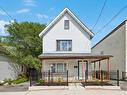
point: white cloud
(29, 2)
(43, 16)
(2, 13)
(2, 29)
(23, 11)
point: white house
(115, 43)
(67, 46)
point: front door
(76, 72)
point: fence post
(67, 77)
(101, 78)
(49, 76)
(123, 76)
(86, 77)
(30, 78)
(117, 77)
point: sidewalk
(74, 89)
(77, 89)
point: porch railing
(49, 78)
(61, 78)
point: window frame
(66, 26)
(57, 49)
(64, 67)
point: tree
(25, 43)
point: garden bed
(52, 84)
(96, 83)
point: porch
(80, 66)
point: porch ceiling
(83, 56)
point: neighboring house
(115, 43)
(8, 69)
(67, 46)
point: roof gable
(66, 10)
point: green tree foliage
(24, 44)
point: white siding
(80, 39)
(72, 72)
(114, 44)
(126, 48)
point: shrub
(21, 78)
(41, 82)
(9, 81)
(1, 83)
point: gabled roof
(66, 10)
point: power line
(100, 14)
(121, 10)
(6, 13)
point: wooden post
(94, 70)
(78, 70)
(100, 69)
(108, 69)
(67, 64)
(82, 70)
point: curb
(103, 88)
(37, 88)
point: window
(53, 68)
(58, 67)
(66, 24)
(64, 45)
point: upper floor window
(66, 24)
(64, 45)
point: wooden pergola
(81, 57)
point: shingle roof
(73, 56)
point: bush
(21, 78)
(41, 82)
(1, 83)
(8, 81)
(18, 81)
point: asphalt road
(16, 88)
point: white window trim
(56, 69)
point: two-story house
(67, 46)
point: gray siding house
(115, 43)
(8, 69)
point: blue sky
(43, 11)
